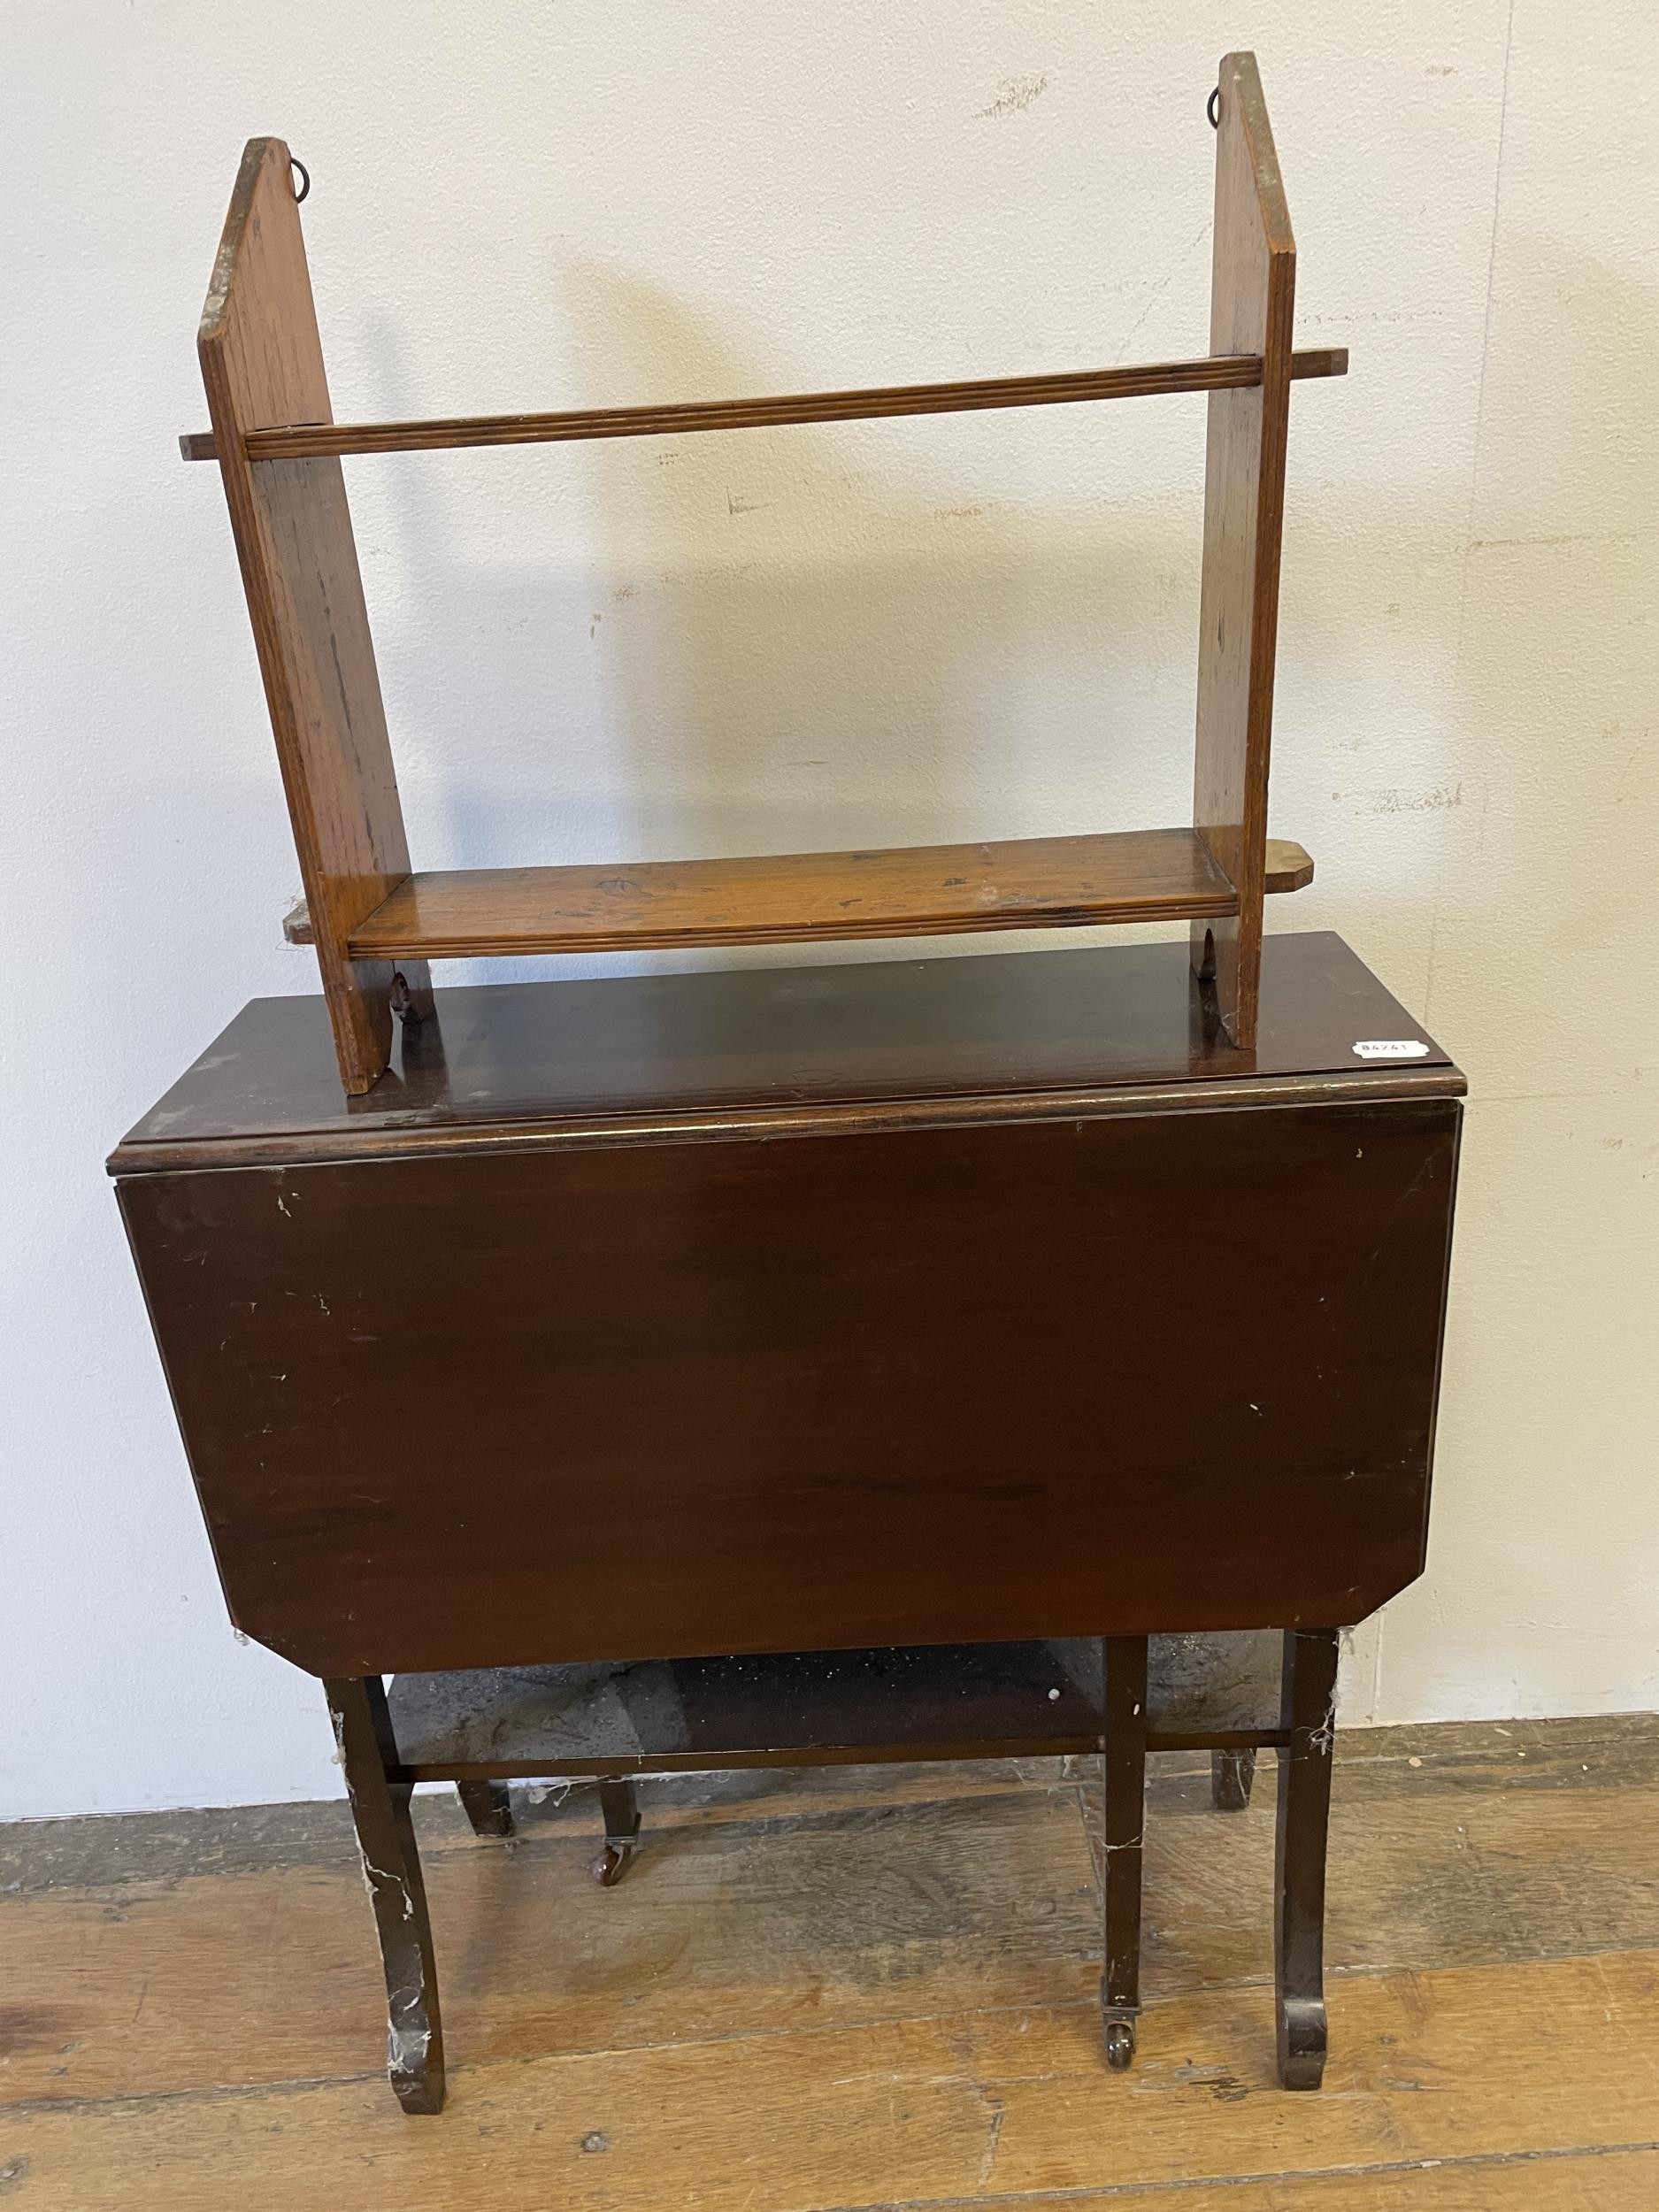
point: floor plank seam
(209, 2093)
(213, 2093)
(135, 2101)
(1095, 2192)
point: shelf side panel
(1252, 296)
(262, 364)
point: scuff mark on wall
(1013, 96)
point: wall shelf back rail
(1233, 372)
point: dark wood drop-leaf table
(895, 1361)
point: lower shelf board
(803, 1709)
(926, 890)
(800, 898)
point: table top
(779, 1049)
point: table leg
(1230, 1775)
(1125, 1772)
(1309, 1713)
(487, 1806)
(621, 1813)
(391, 1867)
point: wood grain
(1210, 374)
(1025, 883)
(777, 1908)
(969, 2107)
(262, 364)
(1071, 1029)
(1289, 868)
(772, 1051)
(970, 1349)
(771, 1903)
(1471, 1856)
(1252, 298)
(1571, 2181)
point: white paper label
(1391, 1048)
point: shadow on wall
(1559, 666)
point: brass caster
(1120, 2045)
(611, 1864)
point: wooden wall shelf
(375, 921)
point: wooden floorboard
(1587, 2181)
(831, 1992)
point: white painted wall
(899, 631)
